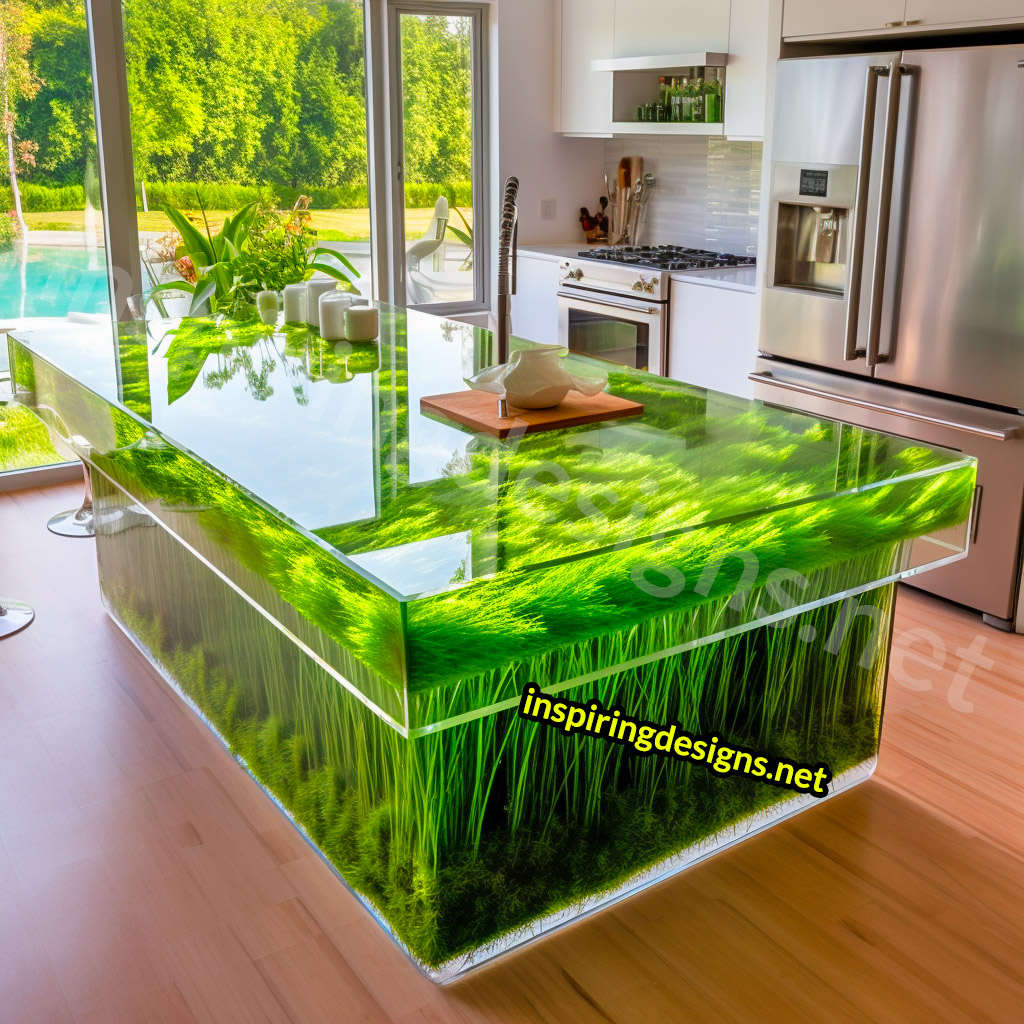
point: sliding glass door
(437, 105)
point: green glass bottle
(712, 96)
(698, 99)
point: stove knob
(574, 274)
(644, 284)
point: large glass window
(437, 113)
(238, 103)
(242, 101)
(52, 263)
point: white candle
(267, 306)
(332, 315)
(361, 323)
(295, 303)
(314, 289)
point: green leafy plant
(282, 250)
(215, 258)
(452, 192)
(255, 249)
(8, 232)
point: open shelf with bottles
(674, 94)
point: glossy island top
(432, 553)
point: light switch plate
(547, 209)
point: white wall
(707, 192)
(525, 83)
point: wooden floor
(144, 878)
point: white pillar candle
(267, 306)
(361, 323)
(332, 315)
(295, 303)
(314, 289)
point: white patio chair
(432, 242)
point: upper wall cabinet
(956, 12)
(834, 18)
(751, 53)
(645, 27)
(839, 17)
(586, 29)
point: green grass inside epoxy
(455, 855)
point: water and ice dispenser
(812, 224)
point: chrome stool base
(14, 616)
(76, 522)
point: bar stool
(76, 522)
(14, 616)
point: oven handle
(996, 433)
(650, 310)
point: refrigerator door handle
(860, 217)
(1010, 433)
(895, 71)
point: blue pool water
(57, 280)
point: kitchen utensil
(623, 197)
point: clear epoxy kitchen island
(355, 595)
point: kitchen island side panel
(467, 841)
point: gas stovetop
(666, 257)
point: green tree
(436, 98)
(17, 21)
(247, 91)
(60, 116)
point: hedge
(45, 198)
(55, 198)
(188, 195)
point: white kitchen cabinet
(931, 13)
(535, 303)
(713, 337)
(840, 17)
(586, 33)
(746, 77)
(647, 27)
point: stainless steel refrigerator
(894, 285)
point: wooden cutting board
(478, 410)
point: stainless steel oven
(633, 332)
(614, 313)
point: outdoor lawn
(331, 225)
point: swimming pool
(56, 280)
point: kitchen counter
(569, 250)
(740, 279)
(355, 594)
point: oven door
(633, 332)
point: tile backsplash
(708, 190)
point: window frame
(389, 172)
